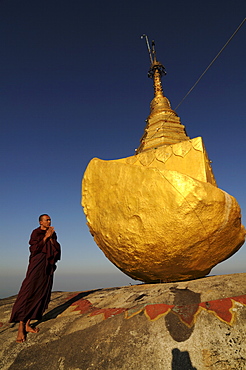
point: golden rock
(159, 215)
(159, 225)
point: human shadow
(181, 360)
(52, 314)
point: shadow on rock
(59, 309)
(180, 320)
(181, 360)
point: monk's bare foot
(30, 329)
(20, 340)
(21, 336)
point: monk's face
(45, 222)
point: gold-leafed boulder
(159, 215)
(158, 224)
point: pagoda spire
(156, 71)
(163, 124)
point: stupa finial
(163, 124)
(157, 70)
(148, 47)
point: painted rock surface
(159, 225)
(193, 324)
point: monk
(35, 291)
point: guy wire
(211, 63)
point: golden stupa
(159, 215)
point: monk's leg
(21, 336)
(30, 329)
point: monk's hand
(49, 231)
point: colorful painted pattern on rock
(223, 309)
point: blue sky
(73, 86)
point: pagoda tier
(163, 124)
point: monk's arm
(38, 240)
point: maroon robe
(35, 291)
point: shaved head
(41, 216)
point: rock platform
(196, 324)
